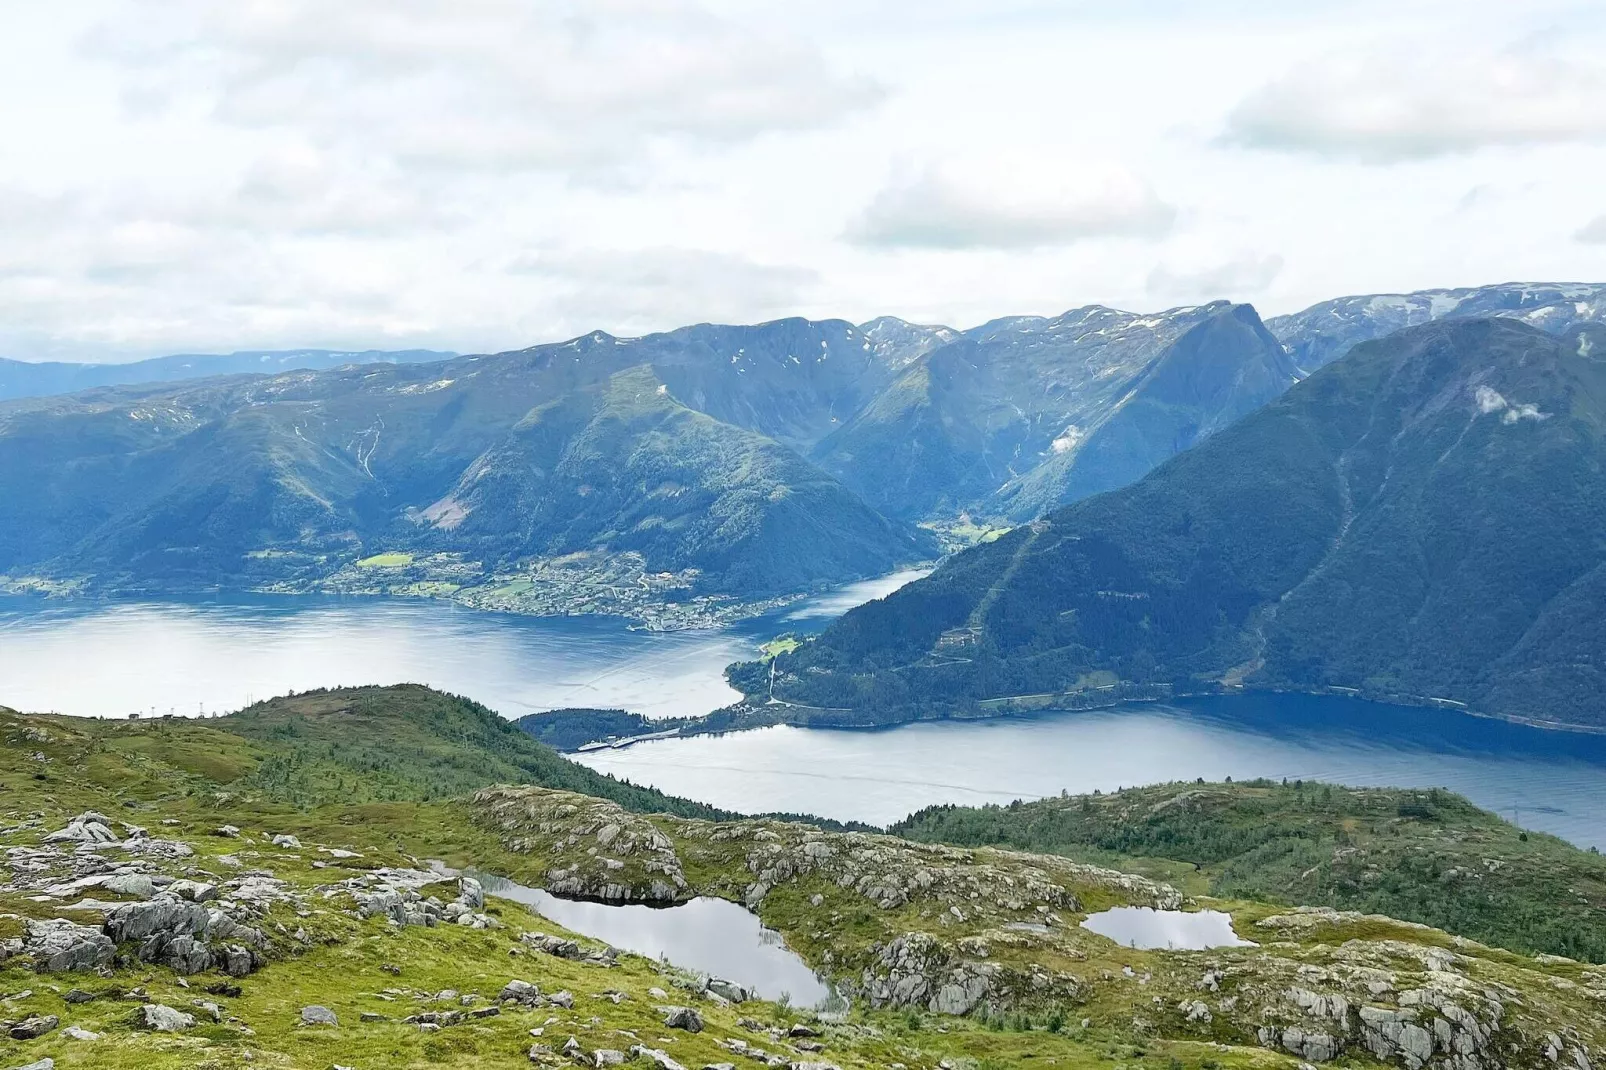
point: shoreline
(755, 723)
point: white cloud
(1244, 276)
(638, 290)
(1490, 400)
(1382, 105)
(990, 200)
(1593, 232)
(486, 85)
(205, 174)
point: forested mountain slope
(244, 480)
(1425, 856)
(1419, 520)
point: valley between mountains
(681, 479)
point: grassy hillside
(952, 957)
(404, 743)
(1425, 856)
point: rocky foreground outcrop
(185, 924)
(951, 931)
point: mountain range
(29, 379)
(740, 460)
(1326, 331)
(1419, 520)
(535, 453)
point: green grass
(390, 559)
(200, 774)
(1423, 856)
(148, 772)
(366, 744)
(781, 644)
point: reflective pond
(1175, 930)
(705, 935)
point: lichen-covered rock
(88, 827)
(682, 1018)
(318, 1015)
(917, 970)
(61, 946)
(33, 1027)
(598, 849)
(160, 1018)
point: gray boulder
(61, 946)
(194, 891)
(160, 1018)
(185, 955)
(163, 916)
(33, 1027)
(729, 990)
(657, 1057)
(683, 1018)
(137, 885)
(1388, 1034)
(42, 1064)
(316, 1015)
(520, 992)
(88, 827)
(238, 960)
(470, 894)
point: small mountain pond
(707, 935)
(1175, 930)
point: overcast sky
(182, 175)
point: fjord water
(110, 659)
(1548, 780)
(116, 658)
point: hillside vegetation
(1419, 521)
(487, 465)
(162, 909)
(378, 744)
(1424, 856)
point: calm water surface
(1554, 781)
(1175, 930)
(707, 935)
(112, 659)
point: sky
(478, 175)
